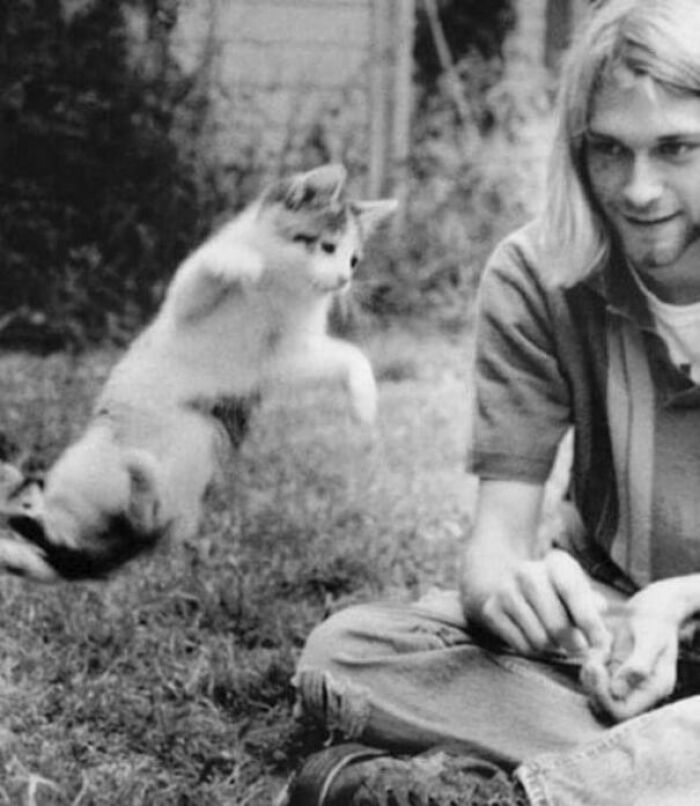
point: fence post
(405, 13)
(379, 95)
(391, 96)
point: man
(562, 674)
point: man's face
(643, 159)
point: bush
(97, 202)
(470, 27)
(470, 183)
(104, 187)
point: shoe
(356, 775)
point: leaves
(97, 201)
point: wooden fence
(308, 80)
(298, 82)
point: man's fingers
(507, 620)
(647, 694)
(581, 602)
(544, 603)
(653, 657)
(573, 642)
(549, 604)
(525, 608)
(639, 673)
(594, 675)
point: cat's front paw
(239, 264)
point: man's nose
(643, 184)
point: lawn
(169, 684)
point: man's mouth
(648, 221)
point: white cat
(246, 311)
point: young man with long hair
(564, 673)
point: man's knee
(375, 633)
(324, 682)
(341, 636)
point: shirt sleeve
(520, 397)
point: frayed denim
(412, 677)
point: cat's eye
(328, 247)
(305, 239)
(354, 260)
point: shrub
(471, 181)
(97, 202)
(470, 26)
(106, 180)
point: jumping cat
(244, 312)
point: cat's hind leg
(20, 497)
(24, 559)
(99, 508)
(361, 385)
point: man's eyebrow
(690, 134)
(599, 135)
(673, 137)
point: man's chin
(652, 264)
(652, 257)
(654, 247)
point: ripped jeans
(410, 678)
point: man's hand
(639, 672)
(547, 604)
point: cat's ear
(371, 214)
(326, 182)
(324, 185)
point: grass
(169, 684)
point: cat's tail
(70, 536)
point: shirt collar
(616, 285)
(624, 298)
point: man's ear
(372, 213)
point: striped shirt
(549, 357)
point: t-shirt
(679, 327)
(548, 357)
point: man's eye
(605, 148)
(328, 247)
(676, 150)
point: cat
(245, 312)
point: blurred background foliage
(470, 27)
(103, 190)
(97, 200)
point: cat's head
(320, 232)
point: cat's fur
(246, 311)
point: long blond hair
(658, 38)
